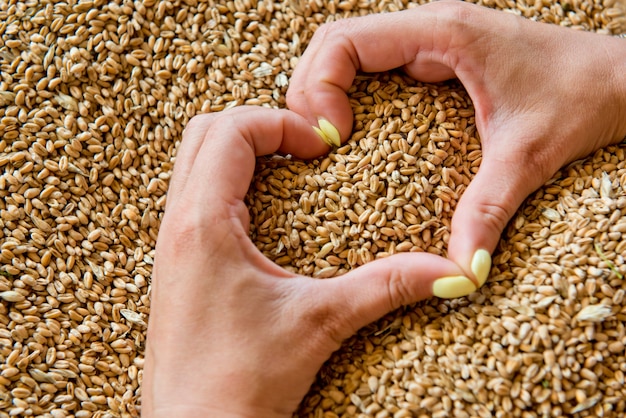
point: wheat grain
(94, 96)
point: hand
(544, 95)
(231, 333)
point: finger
(374, 43)
(505, 178)
(370, 291)
(193, 135)
(220, 161)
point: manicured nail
(330, 131)
(453, 287)
(322, 135)
(481, 266)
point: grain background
(94, 96)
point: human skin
(230, 332)
(544, 95)
(233, 335)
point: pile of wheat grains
(94, 96)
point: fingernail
(453, 287)
(322, 135)
(481, 266)
(330, 131)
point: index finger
(216, 158)
(413, 39)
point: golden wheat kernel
(91, 119)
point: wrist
(201, 412)
(180, 387)
(176, 385)
(190, 412)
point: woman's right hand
(544, 95)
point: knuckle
(398, 290)
(187, 230)
(327, 324)
(495, 215)
(181, 228)
(209, 122)
(198, 122)
(295, 96)
(326, 29)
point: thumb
(365, 294)
(505, 178)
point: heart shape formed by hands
(262, 332)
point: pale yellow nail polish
(481, 266)
(322, 135)
(451, 287)
(330, 131)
